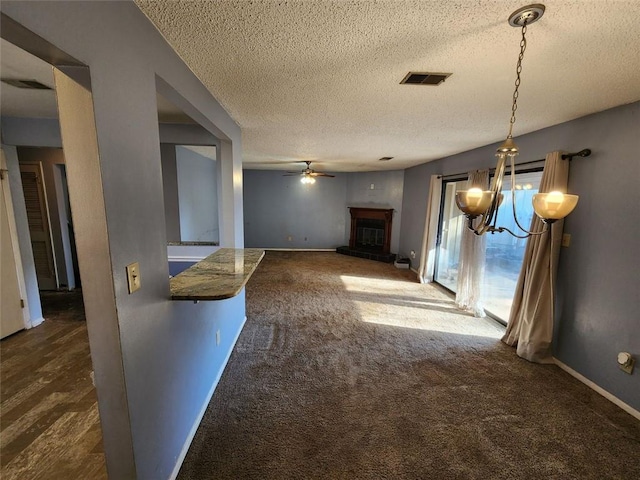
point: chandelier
(476, 202)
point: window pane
(504, 252)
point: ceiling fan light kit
(308, 174)
(475, 202)
(308, 179)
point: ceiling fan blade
(320, 174)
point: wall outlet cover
(626, 362)
(133, 277)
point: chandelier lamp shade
(484, 204)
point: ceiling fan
(308, 174)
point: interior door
(35, 201)
(11, 314)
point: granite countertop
(221, 275)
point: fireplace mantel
(361, 213)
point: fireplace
(370, 234)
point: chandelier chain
(514, 106)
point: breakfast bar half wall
(221, 275)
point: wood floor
(49, 424)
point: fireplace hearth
(370, 234)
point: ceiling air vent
(425, 78)
(29, 84)
(384, 159)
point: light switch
(133, 276)
(566, 239)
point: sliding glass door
(504, 253)
(452, 221)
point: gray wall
(170, 191)
(599, 274)
(315, 216)
(197, 196)
(386, 193)
(186, 134)
(167, 350)
(278, 207)
(31, 132)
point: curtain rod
(565, 156)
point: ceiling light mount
(526, 15)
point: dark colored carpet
(349, 369)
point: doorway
(48, 398)
(39, 225)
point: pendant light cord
(514, 106)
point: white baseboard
(35, 322)
(196, 424)
(301, 249)
(627, 408)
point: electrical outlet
(412, 254)
(133, 276)
(289, 238)
(373, 186)
(626, 362)
(217, 337)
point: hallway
(49, 423)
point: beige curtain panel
(472, 258)
(530, 327)
(428, 252)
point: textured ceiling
(319, 80)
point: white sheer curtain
(428, 252)
(530, 326)
(472, 258)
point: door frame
(15, 246)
